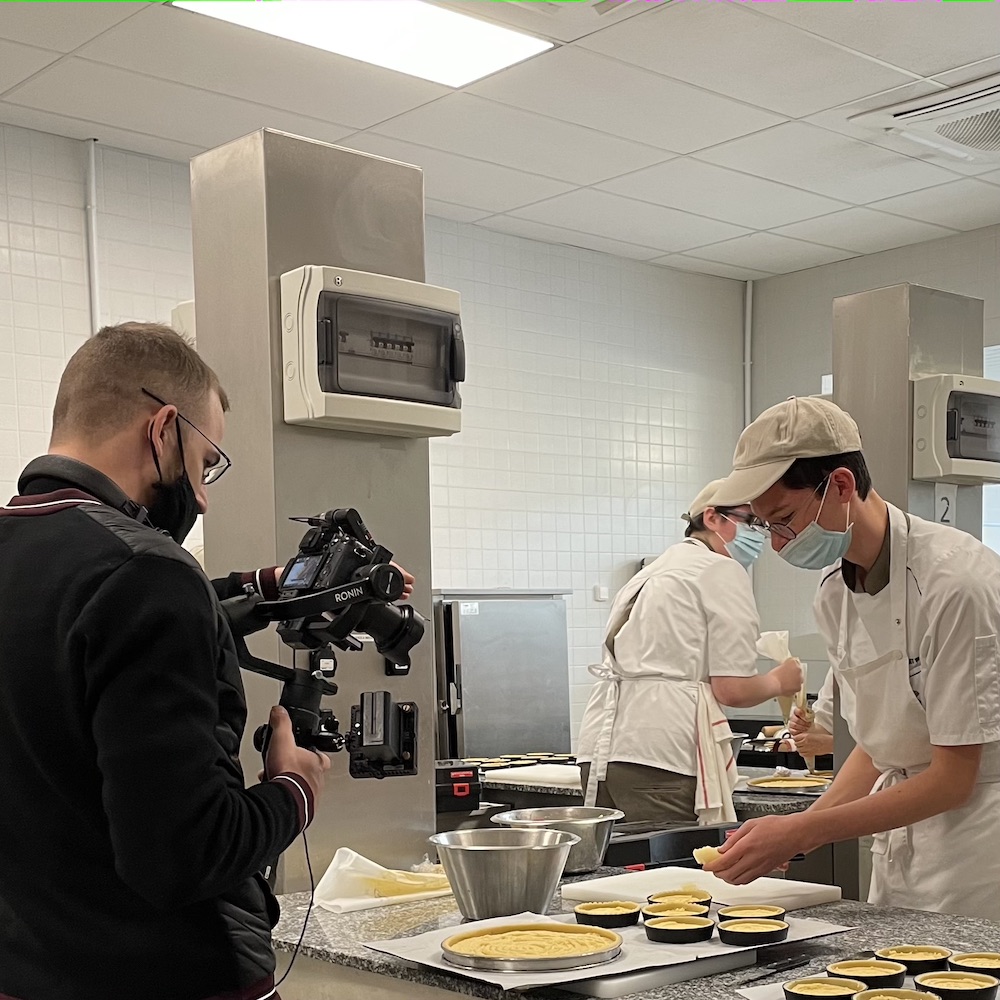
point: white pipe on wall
(747, 352)
(91, 216)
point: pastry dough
(914, 953)
(942, 981)
(789, 782)
(537, 943)
(615, 906)
(982, 961)
(755, 926)
(706, 855)
(822, 989)
(742, 912)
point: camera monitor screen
(301, 574)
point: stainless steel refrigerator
(502, 672)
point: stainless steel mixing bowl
(592, 824)
(495, 873)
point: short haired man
(910, 611)
(129, 847)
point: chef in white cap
(910, 611)
(680, 640)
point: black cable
(305, 923)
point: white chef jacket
(921, 661)
(693, 619)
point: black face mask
(175, 508)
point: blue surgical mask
(815, 547)
(748, 544)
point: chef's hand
(758, 847)
(814, 743)
(788, 676)
(801, 721)
(408, 581)
(285, 755)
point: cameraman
(129, 847)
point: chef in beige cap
(680, 640)
(910, 611)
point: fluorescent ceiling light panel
(405, 35)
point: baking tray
(555, 964)
(764, 790)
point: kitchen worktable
(748, 804)
(337, 958)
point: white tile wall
(793, 338)
(602, 393)
(43, 291)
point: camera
(353, 584)
(338, 589)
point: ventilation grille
(980, 131)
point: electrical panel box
(370, 353)
(956, 429)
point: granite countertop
(747, 804)
(337, 938)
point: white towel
(717, 775)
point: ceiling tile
(200, 51)
(970, 72)
(568, 237)
(497, 133)
(18, 62)
(156, 107)
(768, 252)
(758, 60)
(964, 204)
(461, 181)
(611, 96)
(864, 230)
(723, 194)
(631, 221)
(925, 38)
(457, 213)
(61, 26)
(78, 128)
(681, 262)
(825, 162)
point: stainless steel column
(881, 339)
(263, 205)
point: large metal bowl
(592, 824)
(496, 873)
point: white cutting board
(637, 886)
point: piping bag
(774, 646)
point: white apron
(949, 862)
(717, 768)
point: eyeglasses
(785, 531)
(750, 520)
(212, 473)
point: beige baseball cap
(800, 427)
(704, 500)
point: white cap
(704, 500)
(800, 427)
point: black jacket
(129, 847)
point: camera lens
(396, 630)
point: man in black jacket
(129, 847)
